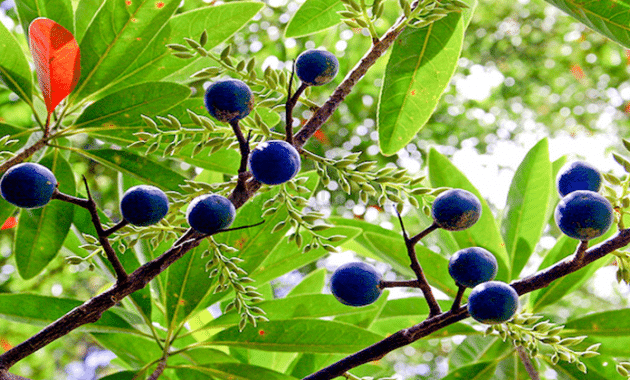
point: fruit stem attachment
(108, 232)
(458, 298)
(243, 144)
(579, 253)
(414, 240)
(423, 284)
(90, 205)
(399, 284)
(291, 102)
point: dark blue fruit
(28, 185)
(356, 284)
(143, 205)
(274, 162)
(456, 209)
(578, 175)
(316, 67)
(492, 302)
(229, 100)
(584, 215)
(210, 213)
(470, 267)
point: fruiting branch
(458, 298)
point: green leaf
(485, 234)
(304, 306)
(477, 371)
(527, 201)
(17, 133)
(608, 17)
(60, 11)
(313, 16)
(142, 168)
(299, 335)
(134, 350)
(84, 15)
(313, 283)
(123, 108)
(231, 371)
(596, 371)
(123, 375)
(615, 323)
(421, 65)
(203, 355)
(117, 32)
(42, 231)
(478, 348)
(42, 310)
(14, 70)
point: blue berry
(456, 209)
(210, 213)
(470, 267)
(578, 175)
(28, 185)
(492, 302)
(584, 215)
(143, 205)
(316, 67)
(229, 100)
(274, 162)
(356, 284)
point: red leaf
(57, 60)
(9, 223)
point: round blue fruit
(584, 215)
(274, 162)
(143, 205)
(210, 213)
(578, 175)
(470, 267)
(492, 302)
(28, 185)
(229, 100)
(456, 209)
(356, 284)
(316, 67)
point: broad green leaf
(364, 317)
(485, 234)
(410, 306)
(313, 283)
(84, 15)
(477, 371)
(141, 298)
(29, 308)
(304, 306)
(608, 17)
(123, 108)
(123, 375)
(299, 335)
(14, 70)
(313, 16)
(512, 368)
(156, 62)
(142, 168)
(525, 212)
(231, 371)
(201, 356)
(118, 31)
(133, 350)
(42, 231)
(59, 10)
(186, 285)
(478, 348)
(421, 65)
(608, 323)
(307, 364)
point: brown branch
(118, 226)
(399, 284)
(23, 155)
(527, 362)
(407, 336)
(458, 298)
(159, 370)
(291, 102)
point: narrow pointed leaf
(42, 231)
(527, 206)
(57, 60)
(313, 16)
(14, 70)
(608, 17)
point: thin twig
(159, 370)
(399, 284)
(458, 298)
(118, 226)
(579, 253)
(527, 362)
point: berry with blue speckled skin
(470, 267)
(316, 67)
(578, 175)
(584, 215)
(229, 100)
(274, 162)
(456, 210)
(143, 205)
(210, 213)
(492, 302)
(28, 185)
(356, 284)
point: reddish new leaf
(57, 60)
